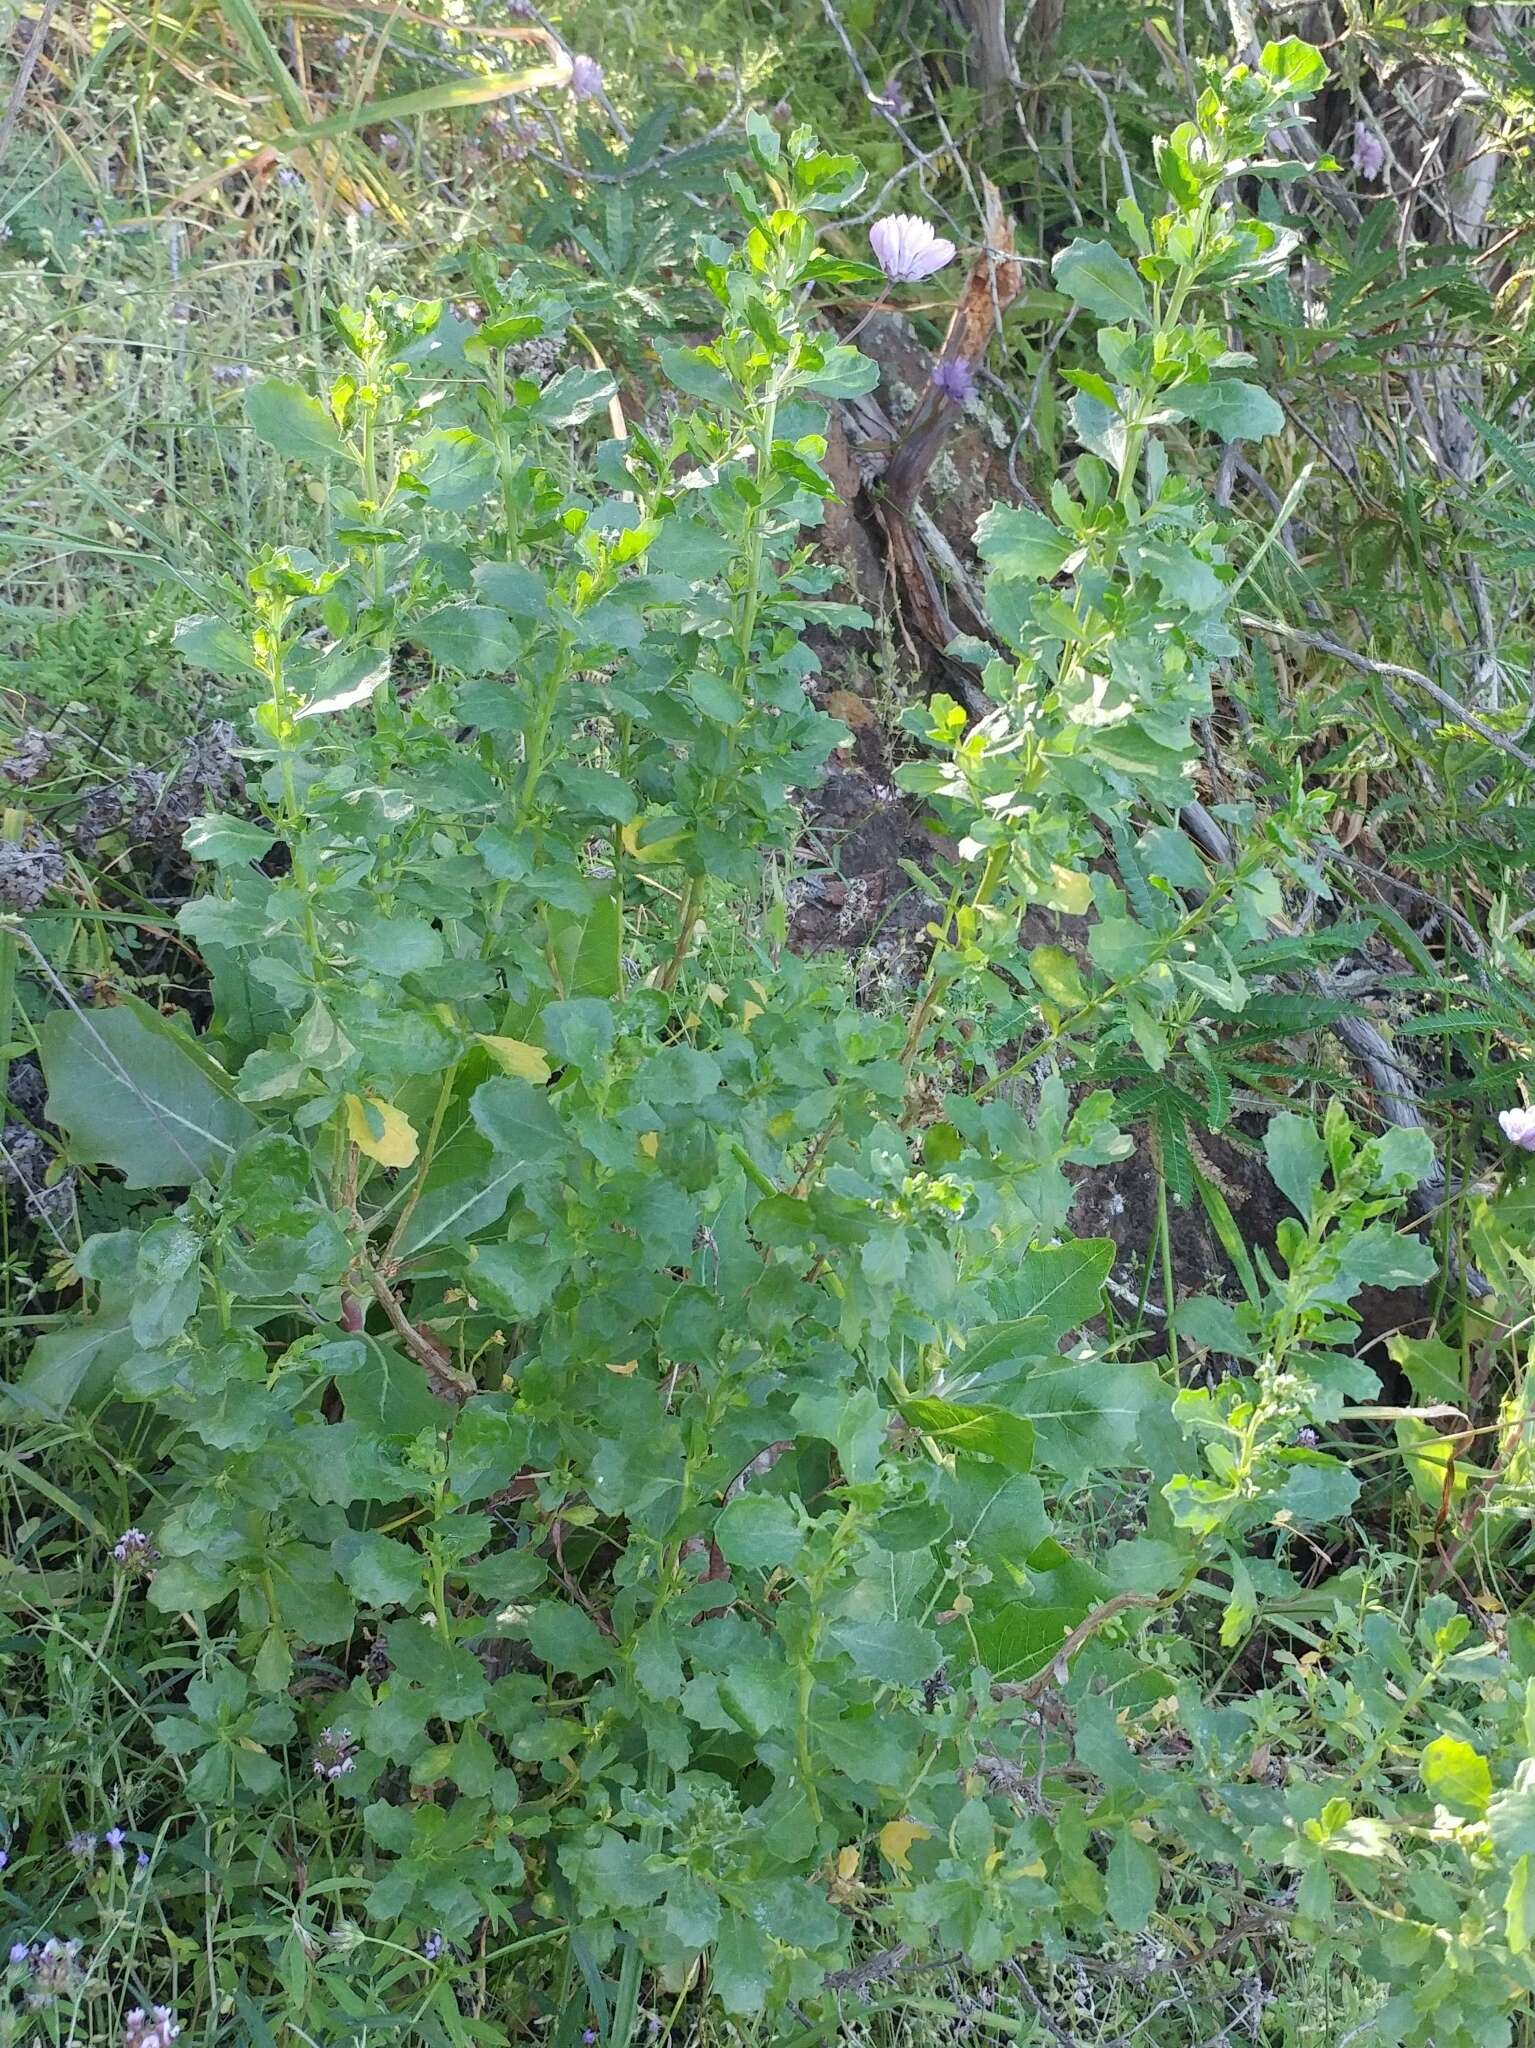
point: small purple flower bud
(585, 78)
(955, 379)
(588, 2036)
(21, 1952)
(893, 99)
(82, 1846)
(1369, 152)
(1307, 1438)
(433, 1944)
(141, 1863)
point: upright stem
(751, 598)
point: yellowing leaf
(516, 1057)
(847, 1863)
(896, 1838)
(381, 1131)
(650, 1143)
(652, 836)
(1456, 1775)
(1069, 890)
(748, 1011)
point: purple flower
(134, 1551)
(114, 1839)
(955, 379)
(1369, 152)
(433, 1944)
(141, 1863)
(588, 2036)
(21, 1952)
(53, 1969)
(5, 1857)
(908, 248)
(893, 99)
(334, 1754)
(82, 1846)
(155, 2029)
(1307, 1438)
(1518, 1126)
(585, 78)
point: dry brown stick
(1054, 1672)
(447, 1380)
(995, 280)
(24, 70)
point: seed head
(31, 868)
(30, 755)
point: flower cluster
(335, 1754)
(133, 1552)
(156, 2028)
(54, 1969)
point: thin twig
(1394, 671)
(24, 70)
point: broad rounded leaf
(1096, 276)
(289, 420)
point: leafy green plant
(631, 1468)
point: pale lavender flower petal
(1518, 1126)
(908, 248)
(585, 77)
